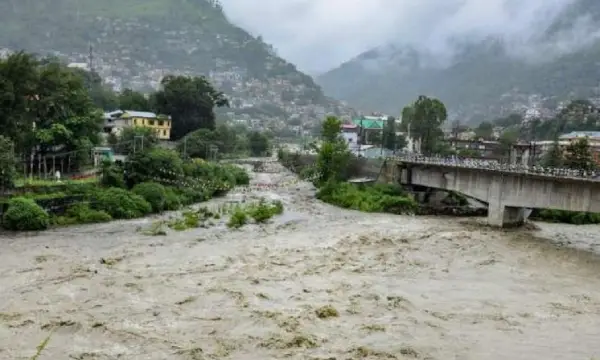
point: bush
(238, 219)
(121, 204)
(215, 178)
(375, 198)
(159, 165)
(25, 215)
(83, 214)
(263, 211)
(189, 196)
(112, 175)
(172, 200)
(154, 193)
(241, 176)
(567, 217)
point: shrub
(189, 196)
(215, 178)
(238, 219)
(154, 193)
(568, 217)
(241, 175)
(112, 175)
(121, 204)
(172, 200)
(83, 214)
(25, 215)
(376, 198)
(263, 211)
(160, 165)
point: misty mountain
(136, 42)
(485, 79)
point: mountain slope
(135, 42)
(483, 78)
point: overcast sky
(318, 35)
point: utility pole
(135, 142)
(91, 58)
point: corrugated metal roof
(141, 114)
(369, 124)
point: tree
(197, 144)
(147, 165)
(333, 157)
(46, 110)
(259, 144)
(507, 139)
(423, 119)
(331, 129)
(579, 155)
(7, 164)
(553, 158)
(190, 101)
(485, 131)
(137, 138)
(133, 100)
(391, 140)
(18, 83)
(66, 119)
(102, 96)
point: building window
(134, 121)
(164, 132)
(151, 122)
(161, 123)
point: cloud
(318, 35)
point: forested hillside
(135, 42)
(483, 81)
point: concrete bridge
(510, 191)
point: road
(404, 288)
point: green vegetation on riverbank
(334, 163)
(52, 120)
(149, 182)
(332, 170)
(565, 217)
(204, 217)
(369, 198)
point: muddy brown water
(403, 287)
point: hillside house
(116, 121)
(350, 134)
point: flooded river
(317, 283)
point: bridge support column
(507, 216)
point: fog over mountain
(318, 35)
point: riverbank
(403, 287)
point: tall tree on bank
(423, 119)
(554, 157)
(333, 157)
(132, 100)
(7, 164)
(46, 109)
(66, 118)
(391, 140)
(18, 88)
(190, 101)
(579, 155)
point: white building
(350, 134)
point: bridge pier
(507, 216)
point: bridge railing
(492, 165)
